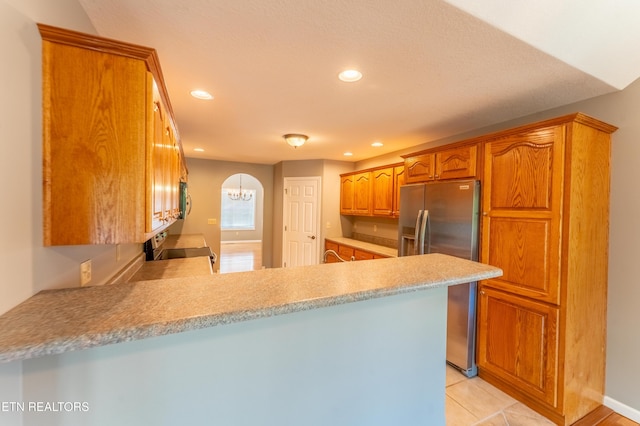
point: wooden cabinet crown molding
(577, 117)
(372, 169)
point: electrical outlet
(212, 221)
(85, 272)
(375, 228)
(117, 252)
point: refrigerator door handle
(426, 238)
(421, 239)
(416, 240)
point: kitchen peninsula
(327, 361)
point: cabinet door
(382, 193)
(362, 194)
(522, 197)
(456, 163)
(346, 252)
(94, 146)
(347, 194)
(156, 165)
(398, 180)
(517, 342)
(329, 245)
(362, 255)
(419, 168)
(172, 174)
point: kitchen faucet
(333, 252)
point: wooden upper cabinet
(94, 141)
(164, 172)
(99, 139)
(157, 162)
(522, 196)
(346, 193)
(372, 192)
(382, 194)
(420, 168)
(442, 163)
(399, 179)
(362, 193)
(355, 193)
(456, 163)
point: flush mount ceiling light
(350, 76)
(295, 139)
(348, 154)
(198, 149)
(376, 144)
(201, 94)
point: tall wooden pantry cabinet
(542, 325)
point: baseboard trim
(622, 409)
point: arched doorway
(241, 223)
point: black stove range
(178, 253)
(154, 250)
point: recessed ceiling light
(350, 75)
(201, 94)
(198, 149)
(348, 154)
(377, 144)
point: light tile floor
(474, 402)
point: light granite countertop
(184, 241)
(58, 321)
(370, 247)
(173, 268)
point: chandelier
(239, 194)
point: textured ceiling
(430, 69)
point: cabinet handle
(482, 292)
(484, 213)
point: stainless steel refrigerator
(443, 217)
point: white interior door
(301, 242)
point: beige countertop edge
(371, 247)
(18, 342)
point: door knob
(313, 237)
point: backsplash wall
(375, 230)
